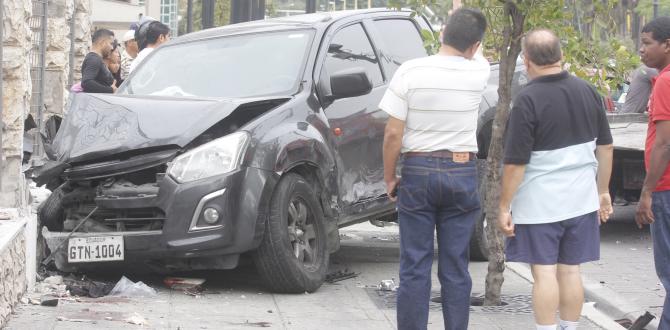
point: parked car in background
(262, 137)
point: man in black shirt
(96, 78)
(558, 162)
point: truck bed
(629, 131)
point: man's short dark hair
(542, 47)
(465, 27)
(100, 34)
(659, 28)
(155, 30)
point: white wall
(153, 8)
(115, 11)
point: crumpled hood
(100, 125)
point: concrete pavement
(625, 276)
(236, 300)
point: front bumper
(241, 197)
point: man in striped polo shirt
(557, 143)
(433, 105)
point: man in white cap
(130, 50)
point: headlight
(213, 158)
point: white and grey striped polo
(438, 99)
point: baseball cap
(129, 35)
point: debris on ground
(65, 319)
(49, 301)
(128, 288)
(88, 288)
(54, 280)
(340, 275)
(378, 223)
(387, 285)
(190, 286)
(5, 216)
(57, 290)
(642, 321)
(136, 319)
(253, 324)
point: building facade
(119, 15)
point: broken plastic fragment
(128, 288)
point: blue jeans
(436, 193)
(660, 234)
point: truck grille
(116, 220)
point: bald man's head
(542, 47)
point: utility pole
(207, 14)
(655, 2)
(246, 10)
(310, 6)
(189, 16)
(369, 4)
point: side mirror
(349, 83)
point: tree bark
(510, 50)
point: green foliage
(221, 14)
(645, 8)
(431, 39)
(587, 29)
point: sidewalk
(237, 301)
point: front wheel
(293, 256)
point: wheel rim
(302, 232)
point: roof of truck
(316, 20)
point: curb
(609, 305)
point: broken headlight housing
(217, 157)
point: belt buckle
(460, 157)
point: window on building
(168, 15)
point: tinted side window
(402, 39)
(351, 48)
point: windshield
(228, 67)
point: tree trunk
(511, 47)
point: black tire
(479, 247)
(296, 260)
(50, 213)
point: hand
(644, 216)
(114, 87)
(606, 209)
(391, 186)
(505, 223)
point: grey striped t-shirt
(438, 98)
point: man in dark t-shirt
(95, 76)
(640, 89)
(557, 143)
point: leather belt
(436, 154)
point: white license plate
(95, 249)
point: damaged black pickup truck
(263, 137)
